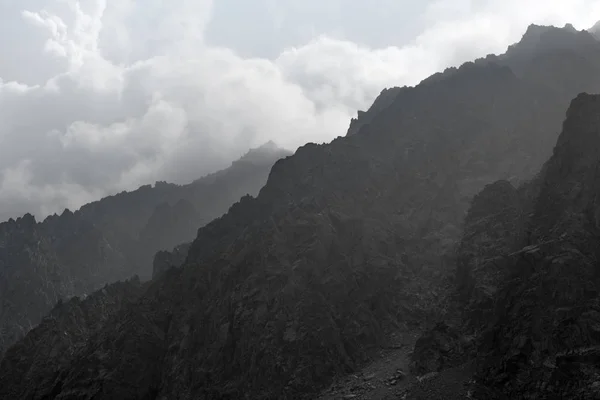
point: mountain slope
(494, 227)
(546, 336)
(109, 240)
(162, 216)
(63, 333)
(562, 62)
(344, 243)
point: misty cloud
(98, 96)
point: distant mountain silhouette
(112, 239)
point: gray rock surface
(545, 337)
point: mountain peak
(534, 29)
(265, 152)
(544, 38)
(385, 99)
(570, 174)
(580, 134)
(270, 145)
(27, 219)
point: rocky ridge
(110, 240)
(494, 228)
(544, 341)
(62, 334)
(527, 281)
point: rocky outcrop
(341, 245)
(545, 334)
(110, 240)
(60, 337)
(494, 229)
(384, 100)
(163, 260)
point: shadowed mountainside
(545, 339)
(527, 274)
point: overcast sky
(98, 96)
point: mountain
(560, 62)
(66, 330)
(494, 227)
(527, 282)
(163, 216)
(346, 243)
(545, 335)
(110, 240)
(527, 274)
(385, 99)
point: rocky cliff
(110, 240)
(61, 335)
(384, 100)
(494, 228)
(545, 338)
(346, 242)
(527, 274)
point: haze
(99, 96)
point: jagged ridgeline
(110, 240)
(346, 242)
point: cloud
(98, 96)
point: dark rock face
(384, 100)
(545, 338)
(60, 337)
(110, 240)
(342, 244)
(494, 228)
(163, 260)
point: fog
(99, 96)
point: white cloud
(118, 93)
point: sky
(100, 96)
